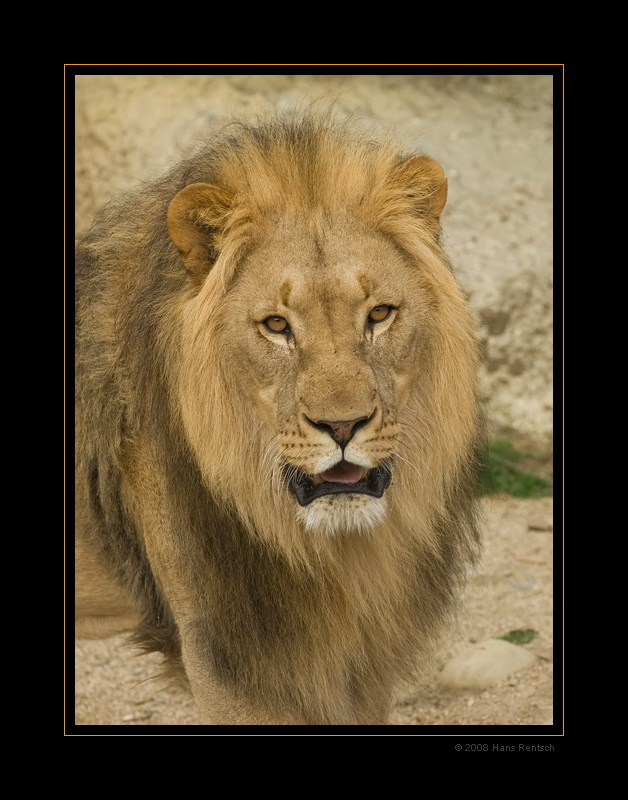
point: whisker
(410, 464)
(269, 463)
(268, 458)
(253, 435)
(413, 452)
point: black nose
(341, 430)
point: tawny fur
(192, 415)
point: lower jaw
(373, 484)
(342, 515)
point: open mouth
(344, 478)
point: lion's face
(327, 320)
(319, 351)
(322, 331)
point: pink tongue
(344, 472)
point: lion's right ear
(195, 218)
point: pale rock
(484, 664)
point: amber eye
(277, 325)
(379, 313)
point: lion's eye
(379, 313)
(277, 325)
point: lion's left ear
(422, 182)
(196, 216)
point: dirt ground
(512, 589)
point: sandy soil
(511, 590)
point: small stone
(484, 664)
(539, 525)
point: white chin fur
(342, 513)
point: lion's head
(328, 364)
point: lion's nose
(341, 431)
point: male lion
(276, 423)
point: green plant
(519, 636)
(503, 470)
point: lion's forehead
(332, 268)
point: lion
(276, 423)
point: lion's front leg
(102, 608)
(222, 706)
